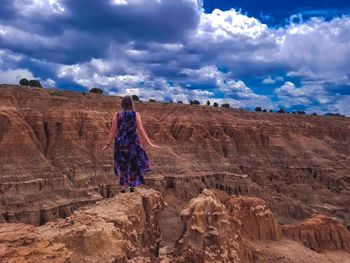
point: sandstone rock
(256, 219)
(50, 163)
(210, 235)
(121, 229)
(320, 232)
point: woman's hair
(127, 103)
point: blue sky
(271, 54)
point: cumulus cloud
(13, 76)
(173, 49)
(56, 30)
(268, 80)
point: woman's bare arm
(141, 130)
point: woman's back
(127, 132)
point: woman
(130, 159)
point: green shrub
(96, 90)
(225, 105)
(135, 98)
(24, 82)
(194, 102)
(35, 83)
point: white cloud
(221, 25)
(315, 52)
(269, 80)
(13, 76)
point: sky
(272, 54)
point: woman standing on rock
(130, 159)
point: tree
(194, 102)
(96, 90)
(35, 83)
(180, 102)
(271, 111)
(264, 110)
(215, 105)
(135, 97)
(258, 109)
(315, 114)
(281, 110)
(24, 82)
(301, 112)
(225, 105)
(208, 102)
(152, 100)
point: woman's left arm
(112, 131)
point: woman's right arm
(141, 130)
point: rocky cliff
(120, 229)
(50, 163)
(127, 228)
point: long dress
(130, 159)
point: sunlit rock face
(120, 229)
(255, 217)
(320, 232)
(51, 163)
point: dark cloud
(7, 10)
(86, 29)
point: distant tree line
(31, 83)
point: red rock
(210, 235)
(320, 232)
(50, 163)
(114, 230)
(255, 217)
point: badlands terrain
(228, 186)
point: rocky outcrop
(210, 235)
(128, 228)
(120, 229)
(51, 164)
(256, 219)
(320, 232)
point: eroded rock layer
(210, 235)
(129, 228)
(120, 229)
(320, 232)
(51, 164)
(255, 217)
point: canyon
(228, 186)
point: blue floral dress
(130, 159)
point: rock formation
(51, 167)
(119, 229)
(127, 228)
(210, 235)
(50, 163)
(256, 219)
(320, 232)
